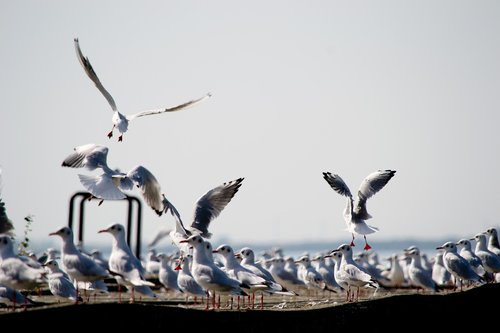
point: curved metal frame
(85, 196)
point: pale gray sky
(299, 88)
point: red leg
(352, 241)
(367, 246)
(120, 138)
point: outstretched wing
(84, 61)
(172, 109)
(102, 187)
(337, 184)
(149, 187)
(90, 156)
(211, 204)
(373, 183)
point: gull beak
(53, 233)
(183, 241)
(439, 248)
(238, 255)
(103, 230)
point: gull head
(65, 233)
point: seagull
(466, 252)
(59, 283)
(14, 272)
(208, 275)
(78, 266)
(457, 265)
(185, 279)
(207, 208)
(419, 276)
(493, 244)
(166, 274)
(287, 278)
(124, 265)
(120, 120)
(355, 213)
(110, 184)
(490, 261)
(350, 273)
(6, 226)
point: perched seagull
(78, 266)
(14, 272)
(121, 121)
(110, 184)
(208, 275)
(166, 274)
(351, 273)
(207, 208)
(327, 272)
(493, 244)
(247, 256)
(235, 270)
(6, 226)
(490, 261)
(395, 273)
(311, 277)
(466, 252)
(355, 213)
(287, 278)
(419, 276)
(440, 274)
(185, 279)
(124, 265)
(457, 265)
(59, 283)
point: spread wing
(171, 109)
(373, 183)
(84, 61)
(337, 184)
(211, 204)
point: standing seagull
(78, 266)
(59, 283)
(127, 269)
(355, 214)
(121, 121)
(109, 185)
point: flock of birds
(197, 269)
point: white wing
(90, 156)
(84, 61)
(172, 109)
(373, 183)
(149, 187)
(101, 187)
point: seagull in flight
(120, 120)
(355, 213)
(207, 208)
(109, 185)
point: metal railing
(85, 196)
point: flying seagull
(120, 120)
(355, 213)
